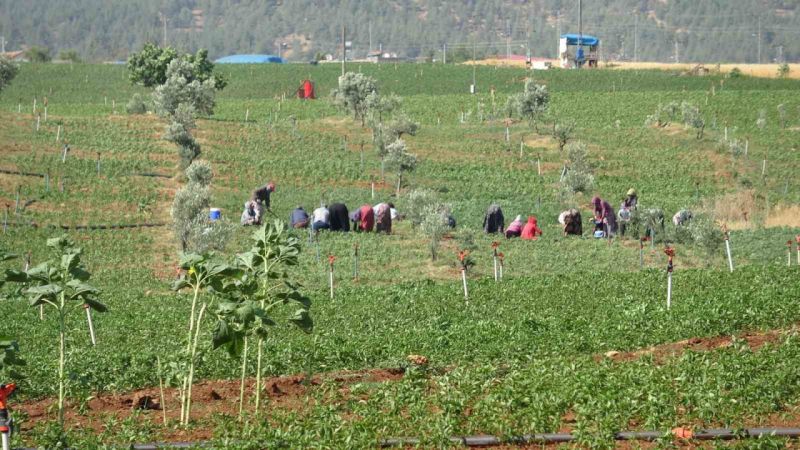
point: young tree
(529, 104)
(188, 148)
(8, 71)
(379, 106)
(352, 93)
(562, 133)
(579, 177)
(435, 224)
(399, 125)
(179, 88)
(398, 158)
(69, 55)
(193, 229)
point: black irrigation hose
(554, 438)
(545, 438)
(25, 174)
(41, 175)
(90, 227)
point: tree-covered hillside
(652, 30)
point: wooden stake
(58, 133)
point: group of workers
(607, 222)
(335, 217)
(367, 218)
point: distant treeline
(651, 30)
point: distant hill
(651, 30)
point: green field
(522, 356)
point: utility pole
(3, 40)
(508, 40)
(344, 50)
(677, 56)
(370, 35)
(558, 33)
(164, 22)
(474, 65)
(444, 53)
(759, 40)
(636, 37)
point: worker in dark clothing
(261, 195)
(340, 218)
(494, 222)
(299, 218)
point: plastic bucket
(215, 214)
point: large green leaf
(95, 304)
(71, 259)
(81, 289)
(44, 290)
(190, 260)
(16, 276)
(7, 256)
(295, 297)
(179, 284)
(303, 320)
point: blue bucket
(215, 214)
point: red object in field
(5, 391)
(306, 90)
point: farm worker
(626, 210)
(605, 214)
(493, 222)
(631, 200)
(261, 195)
(682, 217)
(515, 228)
(252, 213)
(451, 221)
(531, 230)
(299, 218)
(383, 218)
(393, 212)
(339, 217)
(366, 219)
(355, 218)
(571, 219)
(321, 218)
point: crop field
(575, 338)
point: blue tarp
(250, 59)
(572, 39)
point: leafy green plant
(265, 265)
(179, 88)
(60, 283)
(200, 272)
(562, 133)
(9, 356)
(784, 70)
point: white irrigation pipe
(91, 325)
(464, 281)
(728, 251)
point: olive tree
(530, 103)
(399, 159)
(193, 229)
(179, 88)
(353, 92)
(434, 225)
(149, 66)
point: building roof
(572, 39)
(250, 59)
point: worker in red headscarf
(531, 231)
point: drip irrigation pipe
(41, 175)
(545, 438)
(554, 438)
(90, 227)
(25, 174)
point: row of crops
(525, 355)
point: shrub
(8, 71)
(38, 54)
(200, 173)
(783, 70)
(136, 105)
(150, 66)
(352, 93)
(435, 224)
(529, 104)
(735, 73)
(417, 203)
